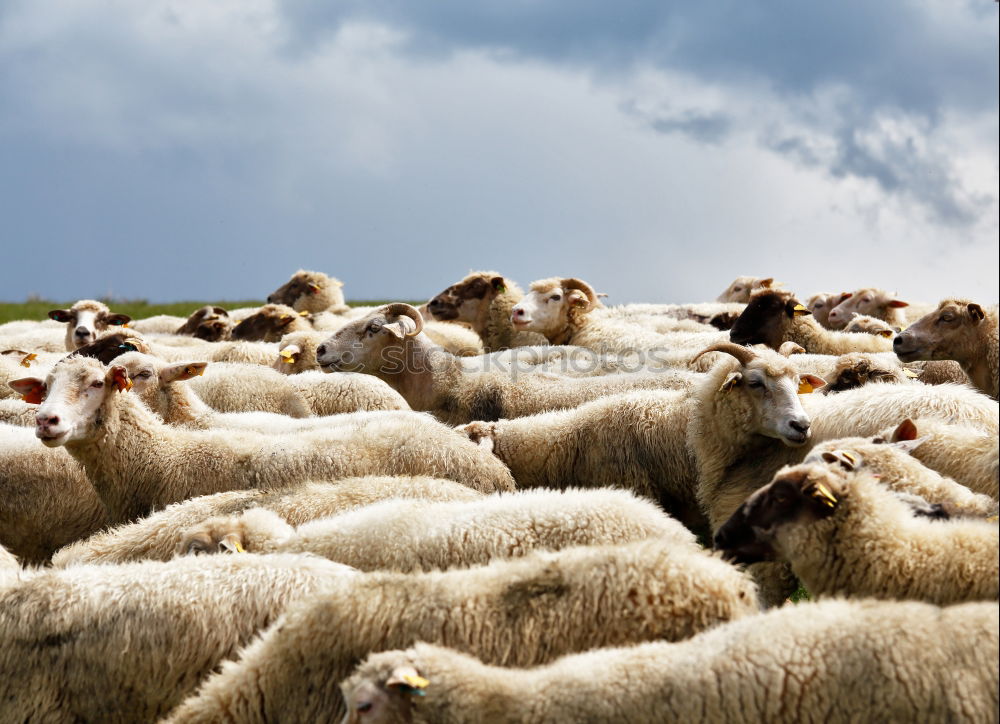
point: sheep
(9, 566)
(747, 421)
(821, 304)
(878, 303)
(961, 452)
(270, 323)
(864, 324)
(161, 386)
(408, 535)
(959, 330)
(903, 473)
(835, 661)
(85, 319)
(739, 291)
(846, 534)
(634, 440)
(126, 644)
(516, 612)
(309, 291)
(774, 316)
(297, 352)
(137, 463)
(484, 300)
(388, 344)
(156, 536)
(858, 368)
(40, 339)
(207, 313)
(561, 310)
(46, 500)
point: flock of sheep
(502, 507)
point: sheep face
(71, 397)
(739, 291)
(374, 344)
(855, 370)
(871, 302)
(465, 301)
(775, 400)
(382, 689)
(862, 324)
(269, 324)
(85, 319)
(765, 319)
(308, 291)
(819, 305)
(110, 346)
(940, 334)
(551, 305)
(214, 330)
(200, 316)
(800, 494)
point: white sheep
(46, 500)
(155, 537)
(388, 343)
(410, 535)
(310, 291)
(516, 612)
(835, 661)
(739, 291)
(127, 643)
(960, 330)
(137, 463)
(84, 320)
(17, 412)
(846, 534)
(877, 303)
(862, 323)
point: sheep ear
(231, 543)
(182, 371)
(906, 430)
(733, 379)
(847, 460)
(290, 354)
(887, 333)
(117, 320)
(766, 283)
(61, 315)
(898, 303)
(976, 312)
(908, 446)
(397, 329)
(408, 680)
(314, 288)
(498, 285)
(808, 383)
(285, 320)
(31, 389)
(577, 298)
(118, 376)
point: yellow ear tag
(287, 356)
(911, 374)
(26, 360)
(195, 371)
(284, 317)
(239, 547)
(417, 682)
(886, 333)
(823, 494)
(853, 460)
(304, 313)
(798, 310)
(805, 388)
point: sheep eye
(97, 385)
(364, 706)
(143, 375)
(755, 384)
(737, 289)
(555, 297)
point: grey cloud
(711, 127)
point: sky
(207, 149)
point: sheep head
(741, 288)
(309, 291)
(870, 301)
(70, 398)
(799, 494)
(382, 689)
(269, 324)
(767, 386)
(949, 332)
(553, 306)
(766, 318)
(85, 319)
(468, 300)
(374, 344)
(207, 313)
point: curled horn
(573, 283)
(743, 354)
(398, 309)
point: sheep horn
(573, 283)
(743, 354)
(398, 309)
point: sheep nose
(898, 342)
(321, 350)
(271, 299)
(799, 426)
(82, 331)
(518, 312)
(47, 420)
